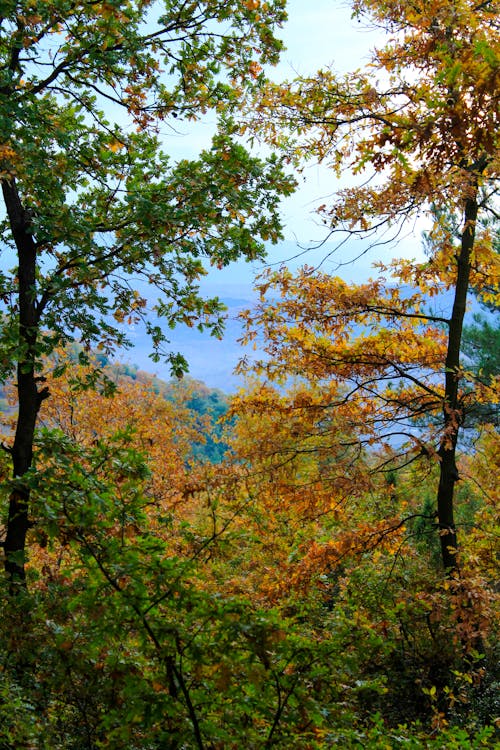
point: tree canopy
(325, 572)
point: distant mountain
(210, 360)
(213, 361)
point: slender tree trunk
(452, 412)
(29, 396)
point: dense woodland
(311, 562)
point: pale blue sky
(318, 34)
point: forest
(312, 561)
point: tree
(92, 202)
(480, 338)
(481, 346)
(423, 122)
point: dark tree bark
(452, 412)
(29, 395)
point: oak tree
(89, 91)
(420, 127)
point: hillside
(207, 404)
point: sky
(318, 33)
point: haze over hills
(210, 360)
(213, 361)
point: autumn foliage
(293, 582)
(419, 129)
(313, 562)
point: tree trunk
(29, 397)
(452, 412)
